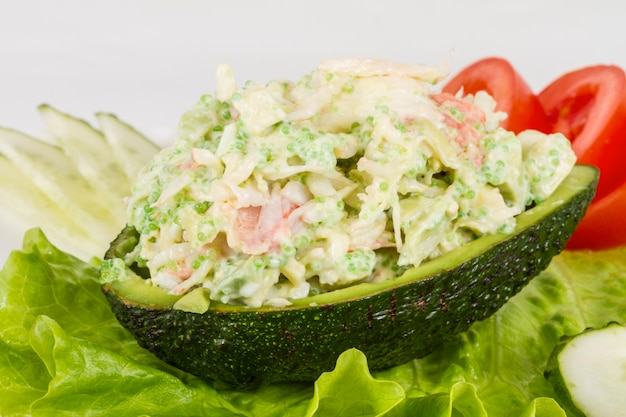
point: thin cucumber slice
(89, 151)
(588, 372)
(27, 206)
(132, 149)
(57, 177)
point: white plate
(148, 61)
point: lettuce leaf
(350, 390)
(63, 353)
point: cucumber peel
(391, 322)
(588, 372)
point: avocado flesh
(391, 322)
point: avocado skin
(247, 348)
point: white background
(148, 61)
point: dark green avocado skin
(248, 348)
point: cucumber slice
(72, 186)
(57, 177)
(90, 153)
(29, 207)
(588, 372)
(132, 149)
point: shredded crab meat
(352, 174)
(378, 67)
(260, 229)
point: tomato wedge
(512, 94)
(604, 225)
(589, 107)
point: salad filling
(352, 174)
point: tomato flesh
(604, 225)
(573, 116)
(512, 94)
(589, 107)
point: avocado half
(391, 322)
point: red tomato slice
(604, 225)
(589, 107)
(511, 93)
